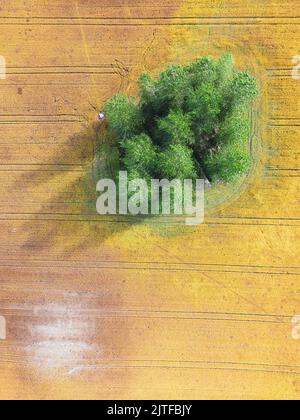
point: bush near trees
(190, 121)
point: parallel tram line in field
(152, 21)
(149, 266)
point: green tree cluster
(189, 121)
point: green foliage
(171, 87)
(140, 155)
(227, 164)
(243, 89)
(235, 129)
(204, 105)
(124, 116)
(203, 71)
(176, 128)
(189, 121)
(147, 88)
(176, 162)
(225, 71)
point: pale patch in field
(296, 68)
(59, 337)
(2, 328)
(2, 68)
(296, 327)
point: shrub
(191, 120)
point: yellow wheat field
(109, 309)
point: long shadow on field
(68, 224)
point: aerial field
(112, 309)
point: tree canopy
(191, 120)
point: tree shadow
(68, 221)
